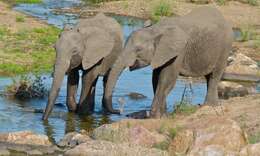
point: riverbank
(232, 128)
(25, 43)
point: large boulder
(135, 135)
(25, 137)
(106, 148)
(209, 135)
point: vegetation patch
(27, 87)
(164, 145)
(27, 50)
(15, 2)
(252, 139)
(161, 9)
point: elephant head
(153, 46)
(80, 46)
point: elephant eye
(139, 49)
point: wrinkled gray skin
(196, 44)
(91, 46)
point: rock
(34, 152)
(227, 89)
(4, 152)
(135, 135)
(136, 96)
(181, 143)
(213, 150)
(223, 133)
(25, 137)
(143, 114)
(105, 148)
(148, 23)
(73, 139)
(251, 150)
(241, 64)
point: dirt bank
(25, 43)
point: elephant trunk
(58, 76)
(111, 82)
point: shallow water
(16, 115)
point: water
(16, 115)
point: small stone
(34, 152)
(136, 96)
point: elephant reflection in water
(197, 44)
(91, 46)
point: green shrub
(163, 8)
(27, 86)
(172, 132)
(253, 2)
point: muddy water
(18, 115)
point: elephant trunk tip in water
(91, 46)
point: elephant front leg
(72, 86)
(166, 81)
(87, 97)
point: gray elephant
(196, 44)
(91, 46)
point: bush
(27, 87)
(163, 8)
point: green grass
(27, 50)
(184, 108)
(221, 2)
(253, 2)
(254, 138)
(163, 8)
(164, 145)
(20, 19)
(172, 132)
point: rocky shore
(229, 129)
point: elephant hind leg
(167, 80)
(72, 87)
(212, 88)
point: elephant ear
(98, 44)
(169, 44)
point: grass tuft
(161, 9)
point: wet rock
(227, 89)
(143, 114)
(25, 137)
(181, 143)
(136, 96)
(73, 139)
(148, 23)
(251, 150)
(105, 148)
(134, 135)
(4, 152)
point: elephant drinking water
(91, 46)
(196, 44)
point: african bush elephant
(91, 46)
(196, 44)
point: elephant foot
(155, 114)
(71, 105)
(112, 111)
